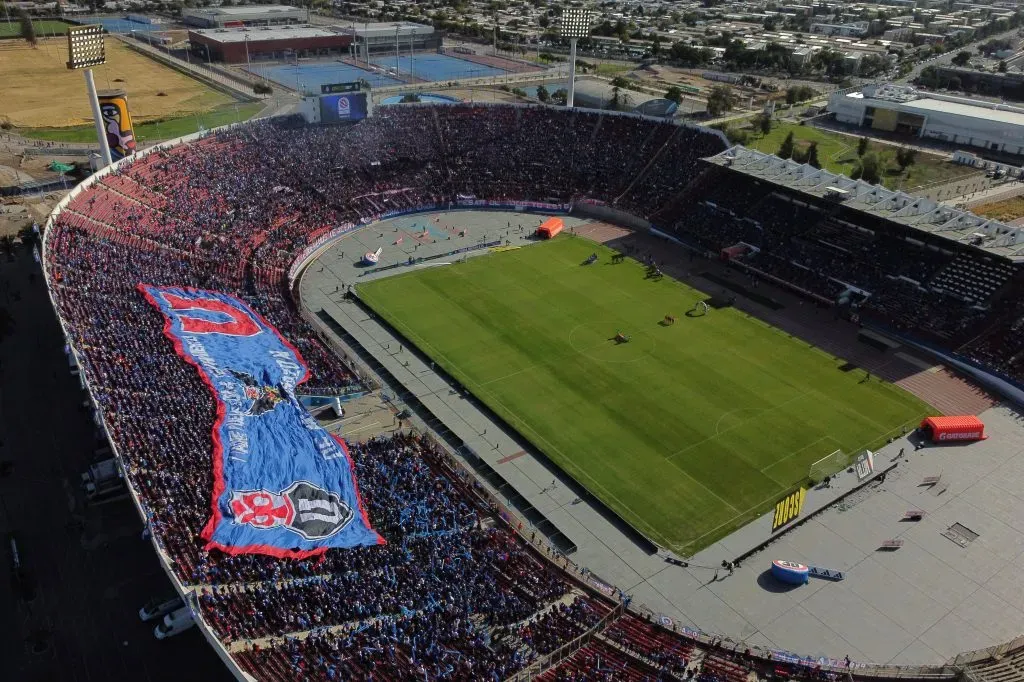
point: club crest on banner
(303, 508)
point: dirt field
(39, 90)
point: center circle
(597, 341)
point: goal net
(828, 465)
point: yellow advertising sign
(788, 508)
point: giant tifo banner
(282, 485)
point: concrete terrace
(922, 603)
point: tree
(616, 102)
(656, 45)
(786, 148)
(674, 93)
(720, 100)
(560, 96)
(28, 30)
(905, 157)
(962, 58)
(542, 94)
(543, 21)
(1002, 66)
(763, 122)
(410, 98)
(870, 168)
(736, 136)
(687, 55)
(262, 88)
(620, 82)
(812, 155)
(799, 93)
(862, 146)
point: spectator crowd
(454, 594)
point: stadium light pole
(86, 50)
(398, 53)
(575, 25)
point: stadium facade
(903, 109)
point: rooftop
(997, 113)
(911, 99)
(388, 28)
(237, 35)
(248, 9)
(926, 215)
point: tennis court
(122, 25)
(437, 67)
(312, 76)
(425, 97)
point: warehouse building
(242, 45)
(902, 109)
(250, 15)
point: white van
(174, 623)
(158, 608)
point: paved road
(947, 57)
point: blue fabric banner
(282, 485)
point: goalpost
(828, 465)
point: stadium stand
(895, 276)
(456, 593)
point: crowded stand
(450, 594)
(453, 592)
(937, 292)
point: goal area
(828, 465)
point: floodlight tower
(575, 25)
(86, 50)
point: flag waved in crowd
(282, 485)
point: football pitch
(688, 430)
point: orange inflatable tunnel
(950, 429)
(550, 227)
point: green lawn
(838, 153)
(155, 130)
(688, 430)
(43, 27)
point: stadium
(616, 453)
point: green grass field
(43, 27)
(688, 430)
(838, 154)
(151, 131)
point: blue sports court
(312, 76)
(429, 98)
(438, 67)
(122, 25)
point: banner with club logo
(282, 485)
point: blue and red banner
(282, 485)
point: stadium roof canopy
(920, 213)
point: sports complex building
(902, 109)
(241, 45)
(258, 15)
(379, 428)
